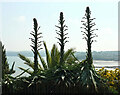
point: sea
(109, 65)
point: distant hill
(101, 55)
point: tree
(36, 43)
(89, 35)
(7, 79)
(5, 66)
(62, 36)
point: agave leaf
(39, 67)
(85, 76)
(11, 70)
(22, 73)
(42, 61)
(57, 55)
(27, 61)
(24, 58)
(67, 54)
(93, 80)
(75, 57)
(53, 50)
(13, 66)
(30, 64)
(48, 57)
(31, 84)
(54, 55)
(25, 70)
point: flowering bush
(112, 77)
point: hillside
(101, 55)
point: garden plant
(61, 72)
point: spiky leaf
(48, 57)
(26, 70)
(42, 61)
(27, 61)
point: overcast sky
(17, 23)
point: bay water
(20, 63)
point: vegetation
(112, 77)
(62, 39)
(89, 34)
(7, 79)
(61, 72)
(35, 43)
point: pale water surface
(19, 63)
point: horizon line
(50, 50)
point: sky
(17, 23)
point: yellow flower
(103, 68)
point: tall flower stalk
(88, 25)
(62, 36)
(36, 43)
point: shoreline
(114, 67)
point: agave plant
(88, 79)
(29, 63)
(49, 68)
(53, 58)
(36, 46)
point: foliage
(27, 62)
(112, 77)
(5, 65)
(60, 78)
(36, 46)
(88, 78)
(50, 65)
(61, 72)
(89, 81)
(53, 58)
(7, 79)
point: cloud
(21, 19)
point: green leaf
(30, 65)
(25, 70)
(48, 57)
(42, 61)
(55, 55)
(39, 67)
(67, 54)
(75, 57)
(22, 73)
(27, 61)
(11, 70)
(93, 80)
